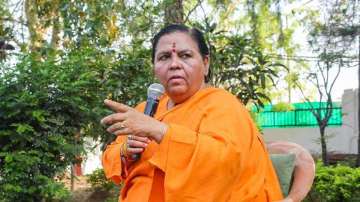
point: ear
(207, 65)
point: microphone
(154, 93)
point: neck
(173, 101)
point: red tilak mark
(173, 48)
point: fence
(299, 117)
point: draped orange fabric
(211, 152)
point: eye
(163, 57)
(185, 55)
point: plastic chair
(304, 170)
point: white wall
(340, 139)
(93, 158)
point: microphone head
(155, 90)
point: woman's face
(179, 66)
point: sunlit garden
(287, 61)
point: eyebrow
(169, 51)
(186, 50)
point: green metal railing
(299, 117)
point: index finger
(116, 106)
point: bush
(335, 183)
(42, 111)
(255, 117)
(22, 179)
(98, 180)
(99, 183)
(48, 106)
(282, 107)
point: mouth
(175, 77)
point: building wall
(93, 158)
(339, 139)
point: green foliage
(255, 117)
(38, 119)
(6, 31)
(51, 98)
(334, 52)
(247, 71)
(282, 107)
(99, 183)
(89, 22)
(23, 178)
(238, 61)
(98, 180)
(47, 107)
(335, 183)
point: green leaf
(23, 128)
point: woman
(201, 144)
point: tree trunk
(174, 12)
(323, 145)
(254, 21)
(35, 32)
(55, 38)
(358, 154)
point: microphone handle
(151, 106)
(150, 109)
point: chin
(177, 90)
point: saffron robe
(211, 151)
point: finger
(124, 131)
(141, 139)
(136, 144)
(135, 150)
(116, 106)
(116, 126)
(112, 118)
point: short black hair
(194, 33)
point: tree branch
(199, 2)
(312, 108)
(10, 19)
(336, 77)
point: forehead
(179, 40)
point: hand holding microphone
(154, 93)
(138, 126)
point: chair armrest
(304, 172)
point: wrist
(161, 131)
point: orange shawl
(212, 151)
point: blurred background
(293, 63)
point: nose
(175, 62)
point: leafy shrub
(282, 107)
(24, 180)
(255, 117)
(335, 183)
(48, 106)
(42, 111)
(98, 180)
